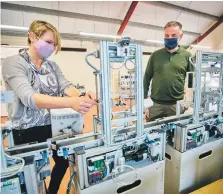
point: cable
(41, 167)
(69, 183)
(108, 170)
(190, 60)
(117, 67)
(116, 177)
(5, 174)
(124, 64)
(116, 154)
(71, 161)
(131, 62)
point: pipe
(86, 59)
(95, 123)
(96, 85)
(127, 17)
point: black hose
(71, 161)
(41, 167)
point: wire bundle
(13, 170)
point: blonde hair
(39, 27)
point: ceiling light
(199, 46)
(14, 27)
(99, 35)
(155, 41)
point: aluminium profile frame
(197, 93)
(105, 90)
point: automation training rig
(122, 154)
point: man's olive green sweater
(167, 72)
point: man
(167, 69)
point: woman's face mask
(44, 48)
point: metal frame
(89, 145)
(105, 92)
(180, 133)
(180, 136)
(94, 140)
(197, 92)
(197, 89)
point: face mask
(44, 49)
(170, 43)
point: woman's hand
(92, 96)
(81, 104)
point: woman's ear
(32, 37)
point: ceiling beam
(53, 12)
(127, 17)
(184, 9)
(206, 33)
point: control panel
(104, 166)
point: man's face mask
(44, 49)
(171, 43)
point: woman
(39, 85)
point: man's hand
(147, 115)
